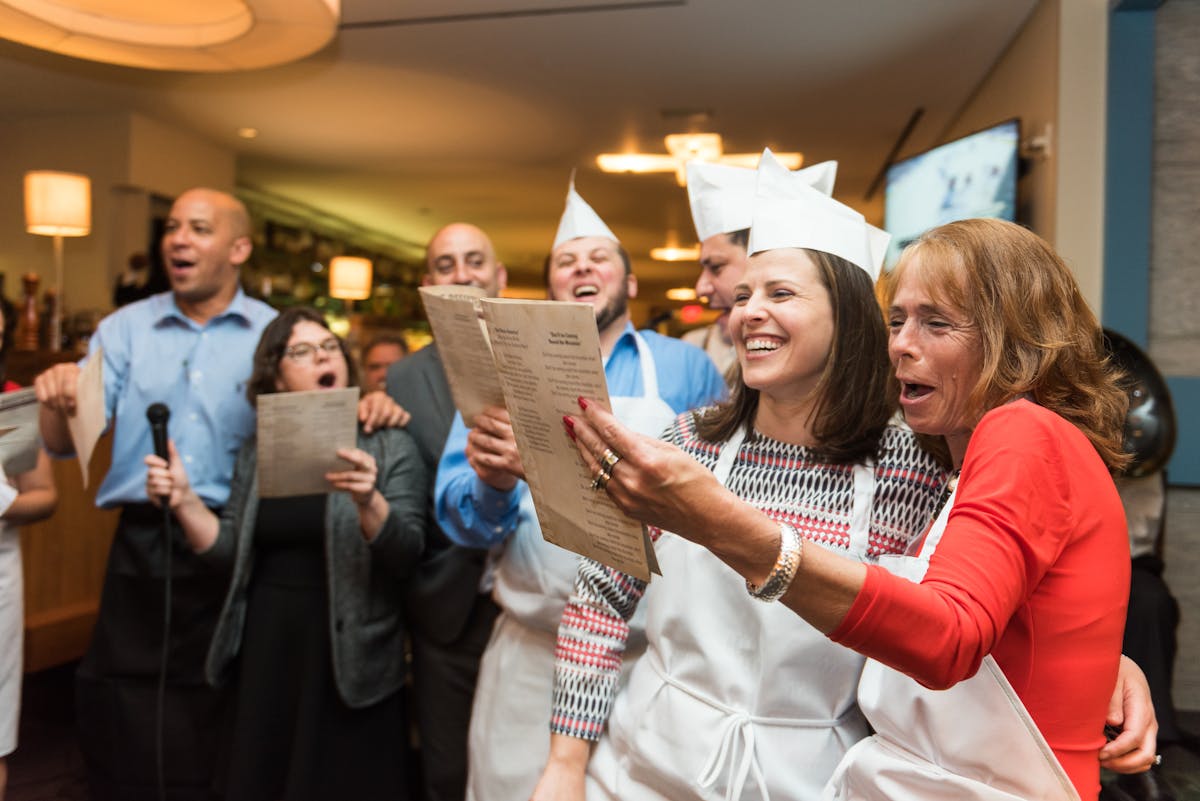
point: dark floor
(47, 765)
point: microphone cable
(158, 414)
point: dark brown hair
(1037, 335)
(854, 395)
(273, 344)
(740, 238)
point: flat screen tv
(975, 176)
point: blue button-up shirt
(474, 514)
(153, 353)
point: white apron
(972, 742)
(734, 698)
(509, 739)
(12, 624)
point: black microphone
(158, 414)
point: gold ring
(601, 480)
(610, 459)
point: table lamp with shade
(350, 280)
(57, 204)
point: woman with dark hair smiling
(807, 439)
(311, 630)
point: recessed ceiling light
(672, 253)
(247, 133)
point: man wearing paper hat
(449, 601)
(482, 502)
(722, 202)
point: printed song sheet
(19, 431)
(87, 424)
(547, 354)
(298, 437)
(462, 343)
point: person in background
(482, 502)
(996, 352)
(450, 607)
(311, 633)
(24, 498)
(721, 199)
(134, 282)
(191, 349)
(379, 354)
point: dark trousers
(444, 678)
(116, 687)
(1150, 641)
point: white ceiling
(428, 111)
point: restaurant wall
(128, 158)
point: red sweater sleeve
(1033, 568)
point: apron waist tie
(739, 725)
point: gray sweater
(365, 580)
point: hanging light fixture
(682, 148)
(57, 204)
(209, 36)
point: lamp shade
(350, 278)
(58, 203)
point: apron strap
(649, 373)
(860, 511)
(728, 455)
(738, 726)
(715, 767)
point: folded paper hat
(791, 214)
(578, 219)
(722, 196)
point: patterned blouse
(786, 482)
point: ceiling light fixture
(247, 133)
(213, 36)
(683, 293)
(672, 253)
(683, 148)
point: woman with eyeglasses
(311, 631)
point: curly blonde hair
(1037, 334)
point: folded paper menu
(298, 437)
(87, 424)
(462, 343)
(19, 431)
(544, 355)
(547, 354)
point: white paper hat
(791, 214)
(578, 219)
(722, 196)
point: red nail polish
(583, 404)
(570, 424)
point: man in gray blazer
(450, 611)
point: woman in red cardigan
(1015, 603)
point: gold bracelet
(791, 551)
